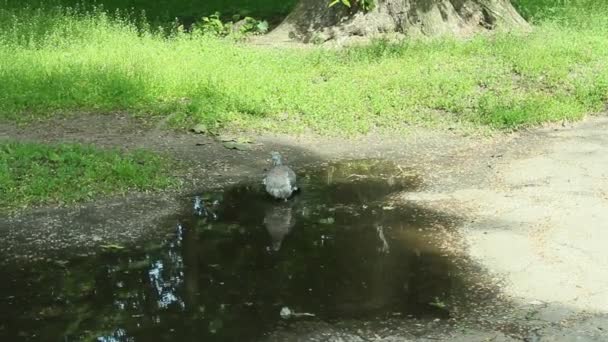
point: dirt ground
(535, 202)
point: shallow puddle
(341, 248)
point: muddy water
(341, 248)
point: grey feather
(280, 181)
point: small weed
(438, 303)
(238, 28)
(363, 5)
(250, 25)
(213, 25)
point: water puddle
(343, 247)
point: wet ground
(523, 215)
(341, 248)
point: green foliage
(363, 5)
(35, 173)
(572, 13)
(251, 25)
(213, 25)
(65, 60)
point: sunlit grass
(32, 174)
(65, 60)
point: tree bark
(313, 21)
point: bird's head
(276, 158)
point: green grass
(59, 60)
(571, 13)
(32, 174)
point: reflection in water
(165, 281)
(119, 335)
(279, 219)
(199, 207)
(337, 252)
(385, 248)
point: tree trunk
(313, 21)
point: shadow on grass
(166, 11)
(37, 93)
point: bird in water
(280, 181)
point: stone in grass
(200, 129)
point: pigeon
(280, 181)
